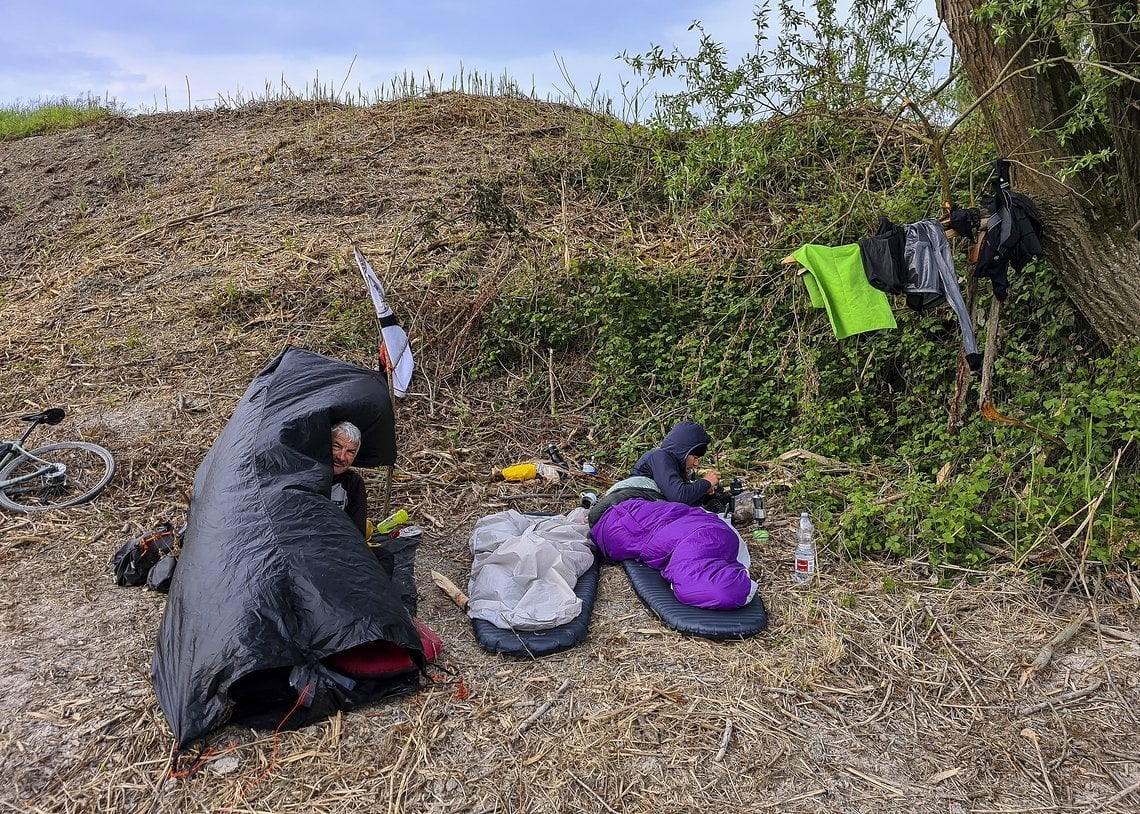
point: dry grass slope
(151, 265)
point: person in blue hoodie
(669, 464)
(654, 517)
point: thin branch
(209, 213)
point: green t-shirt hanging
(836, 281)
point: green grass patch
(38, 118)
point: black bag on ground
(132, 562)
(161, 574)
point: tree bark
(1118, 43)
(1090, 240)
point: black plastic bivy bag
(273, 577)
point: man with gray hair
(348, 489)
(397, 557)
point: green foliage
(235, 306)
(747, 355)
(1004, 489)
(489, 208)
(352, 326)
(1086, 56)
(865, 62)
(21, 121)
(734, 343)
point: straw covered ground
(151, 265)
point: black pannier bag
(162, 574)
(132, 562)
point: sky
(170, 56)
(143, 54)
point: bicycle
(54, 476)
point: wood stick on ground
(1120, 795)
(1046, 654)
(550, 374)
(1058, 700)
(592, 793)
(532, 719)
(811, 456)
(451, 589)
(725, 738)
(209, 213)
(1031, 736)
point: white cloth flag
(395, 338)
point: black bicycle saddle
(50, 416)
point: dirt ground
(151, 265)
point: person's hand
(713, 477)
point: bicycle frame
(52, 476)
(17, 451)
(14, 450)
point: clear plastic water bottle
(805, 549)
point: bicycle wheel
(89, 468)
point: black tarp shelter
(273, 577)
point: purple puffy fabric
(693, 549)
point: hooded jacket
(932, 281)
(1013, 235)
(666, 463)
(915, 259)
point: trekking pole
(388, 479)
(384, 360)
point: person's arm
(671, 481)
(357, 505)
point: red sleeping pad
(379, 659)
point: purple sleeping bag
(695, 550)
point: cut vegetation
(963, 650)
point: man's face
(343, 453)
(691, 461)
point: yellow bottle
(387, 524)
(520, 472)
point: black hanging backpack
(1013, 236)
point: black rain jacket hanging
(882, 255)
(915, 259)
(1013, 233)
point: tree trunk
(1090, 241)
(1118, 43)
